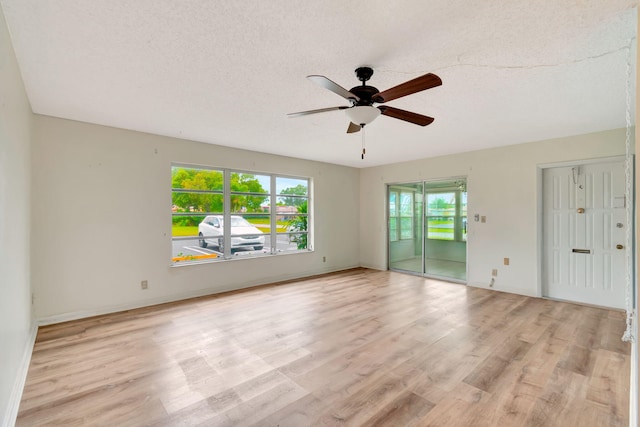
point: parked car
(243, 234)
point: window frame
(399, 217)
(228, 211)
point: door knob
(619, 247)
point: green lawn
(441, 230)
(183, 231)
(261, 224)
(265, 221)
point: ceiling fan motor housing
(365, 93)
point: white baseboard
(517, 291)
(374, 267)
(99, 311)
(11, 414)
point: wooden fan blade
(407, 116)
(353, 128)
(321, 110)
(407, 88)
(333, 87)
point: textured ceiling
(228, 72)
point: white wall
(502, 185)
(15, 290)
(635, 354)
(102, 220)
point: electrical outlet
(144, 284)
(506, 261)
(494, 272)
(483, 219)
(324, 259)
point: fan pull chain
(363, 150)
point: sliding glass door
(428, 228)
(445, 253)
(405, 227)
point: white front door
(584, 231)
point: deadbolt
(619, 247)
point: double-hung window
(401, 221)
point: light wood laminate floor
(359, 347)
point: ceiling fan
(361, 98)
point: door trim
(539, 204)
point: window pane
(295, 223)
(186, 244)
(292, 225)
(291, 213)
(292, 186)
(249, 183)
(185, 225)
(392, 204)
(440, 227)
(261, 221)
(291, 201)
(197, 179)
(393, 229)
(441, 204)
(189, 251)
(406, 204)
(406, 228)
(241, 204)
(286, 212)
(245, 235)
(196, 202)
(463, 204)
(292, 242)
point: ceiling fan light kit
(362, 114)
(361, 110)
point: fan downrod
(364, 92)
